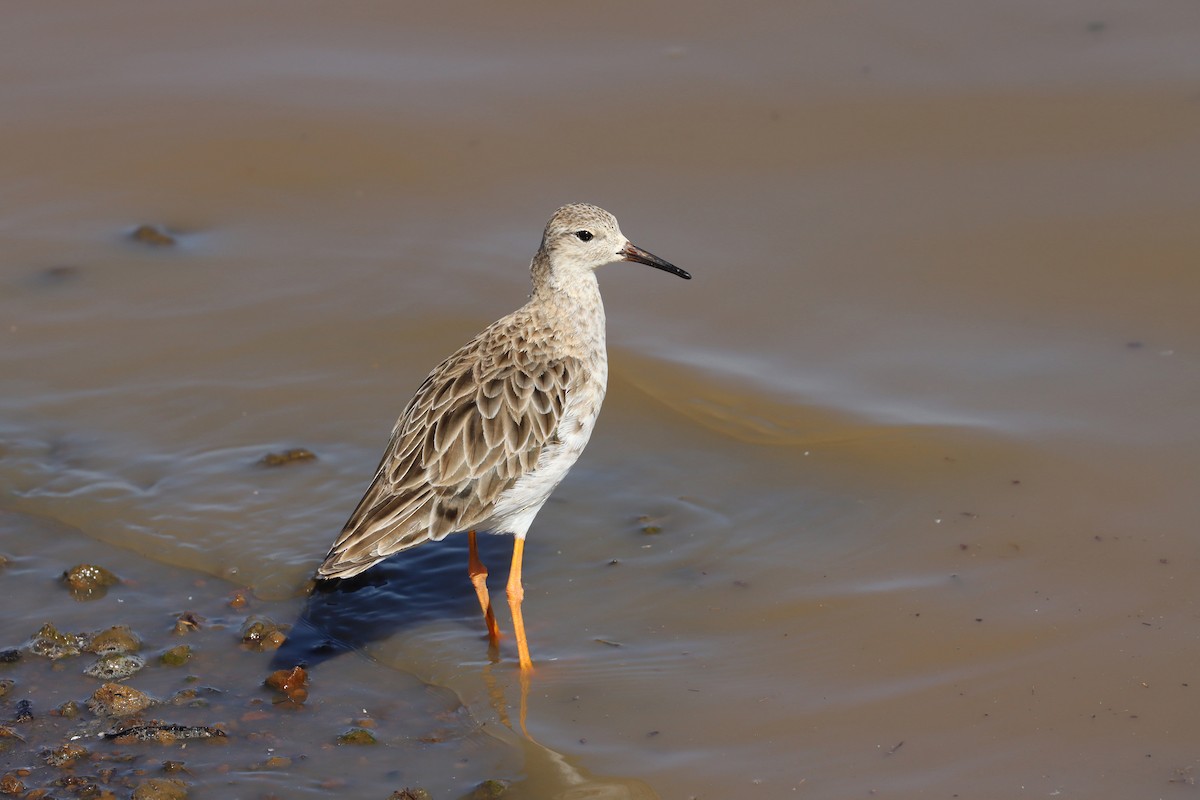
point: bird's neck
(573, 303)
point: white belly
(517, 507)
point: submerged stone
(286, 457)
(65, 755)
(293, 683)
(488, 790)
(9, 739)
(260, 633)
(53, 644)
(115, 667)
(68, 710)
(115, 700)
(356, 736)
(117, 639)
(410, 794)
(88, 581)
(194, 697)
(188, 622)
(649, 525)
(161, 789)
(177, 656)
(154, 235)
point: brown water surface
(919, 441)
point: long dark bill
(631, 252)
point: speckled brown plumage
(477, 424)
(496, 426)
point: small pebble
(154, 235)
(53, 644)
(88, 581)
(187, 623)
(488, 790)
(292, 683)
(410, 794)
(65, 755)
(356, 736)
(194, 697)
(286, 457)
(115, 700)
(649, 525)
(117, 639)
(11, 784)
(177, 656)
(160, 789)
(260, 633)
(115, 667)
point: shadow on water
(426, 583)
(429, 582)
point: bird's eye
(584, 236)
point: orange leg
(516, 593)
(478, 573)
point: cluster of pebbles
(94, 747)
(61, 758)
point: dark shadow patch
(424, 583)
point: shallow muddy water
(895, 498)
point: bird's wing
(476, 425)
